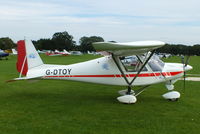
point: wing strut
(120, 69)
(124, 75)
(143, 65)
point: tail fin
(27, 57)
(14, 51)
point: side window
(132, 64)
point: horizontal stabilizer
(128, 48)
(22, 78)
(27, 78)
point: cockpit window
(156, 64)
(132, 64)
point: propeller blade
(182, 59)
(185, 63)
(184, 81)
(187, 60)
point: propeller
(185, 63)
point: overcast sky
(172, 21)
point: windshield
(133, 64)
(156, 64)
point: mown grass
(67, 107)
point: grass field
(67, 107)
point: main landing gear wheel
(172, 96)
(174, 99)
(127, 96)
(127, 99)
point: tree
(86, 42)
(180, 49)
(44, 44)
(62, 40)
(6, 43)
(196, 49)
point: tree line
(63, 40)
(179, 49)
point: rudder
(22, 66)
(27, 56)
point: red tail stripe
(20, 57)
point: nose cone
(188, 67)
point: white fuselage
(104, 71)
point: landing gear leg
(129, 90)
(130, 93)
(127, 96)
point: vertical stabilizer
(27, 56)
(33, 58)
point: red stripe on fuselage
(119, 75)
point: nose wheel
(172, 96)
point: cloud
(171, 21)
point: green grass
(67, 107)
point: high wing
(128, 48)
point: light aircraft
(3, 55)
(109, 69)
(57, 53)
(93, 53)
(75, 53)
(64, 52)
(14, 52)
